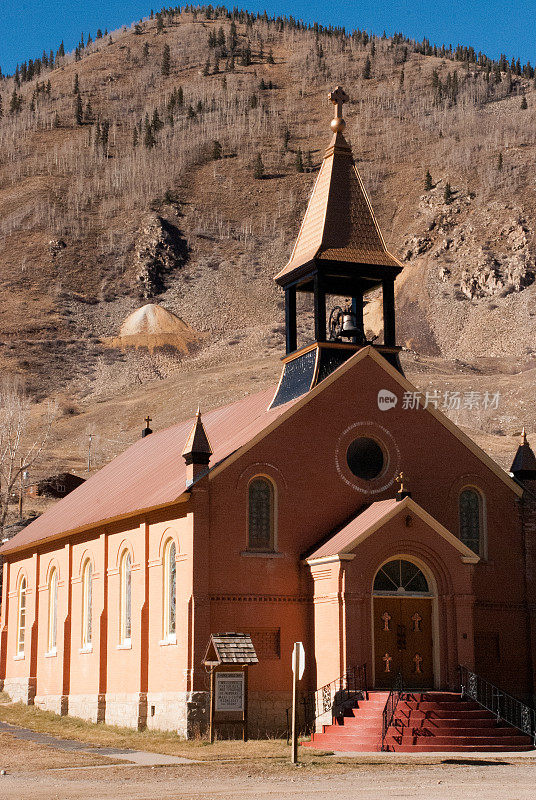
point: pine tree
(56, 120)
(78, 111)
(135, 137)
(105, 131)
(367, 69)
(1, 107)
(220, 40)
(88, 113)
(299, 161)
(138, 29)
(258, 169)
(286, 138)
(500, 162)
(180, 97)
(149, 140)
(49, 87)
(166, 61)
(146, 51)
(159, 23)
(99, 34)
(524, 103)
(448, 194)
(401, 79)
(428, 184)
(206, 70)
(15, 104)
(76, 86)
(270, 58)
(156, 122)
(61, 50)
(217, 150)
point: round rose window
(365, 458)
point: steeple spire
(197, 450)
(524, 464)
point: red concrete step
(425, 722)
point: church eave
(334, 267)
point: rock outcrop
(159, 250)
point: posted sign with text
(229, 691)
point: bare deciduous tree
(22, 443)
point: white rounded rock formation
(152, 326)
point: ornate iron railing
(334, 697)
(503, 705)
(390, 707)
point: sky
(493, 26)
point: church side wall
(19, 680)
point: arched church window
(170, 591)
(125, 611)
(52, 610)
(21, 617)
(261, 515)
(470, 509)
(400, 576)
(87, 602)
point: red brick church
(324, 510)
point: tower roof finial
(338, 96)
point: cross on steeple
(148, 420)
(338, 96)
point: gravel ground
(450, 780)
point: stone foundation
(267, 713)
(126, 710)
(90, 707)
(183, 712)
(57, 703)
(21, 690)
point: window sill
(126, 645)
(261, 554)
(19, 657)
(87, 649)
(51, 653)
(168, 641)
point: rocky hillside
(129, 173)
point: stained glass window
(52, 610)
(87, 604)
(400, 576)
(470, 519)
(261, 515)
(170, 590)
(22, 617)
(126, 598)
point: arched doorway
(403, 625)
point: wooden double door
(403, 641)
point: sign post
(298, 667)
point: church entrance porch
(402, 626)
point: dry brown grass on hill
(71, 209)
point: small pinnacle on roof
(524, 436)
(338, 96)
(197, 449)
(404, 491)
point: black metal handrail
(390, 707)
(503, 705)
(334, 696)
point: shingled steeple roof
(339, 224)
(524, 464)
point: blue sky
(493, 26)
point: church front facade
(378, 534)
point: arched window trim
(87, 606)
(272, 546)
(416, 562)
(52, 631)
(21, 615)
(482, 539)
(125, 598)
(169, 585)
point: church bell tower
(339, 257)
